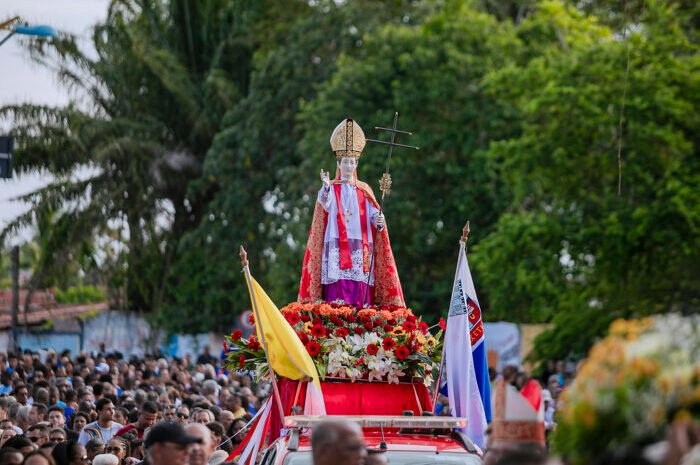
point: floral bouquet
(642, 377)
(376, 343)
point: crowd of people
(60, 408)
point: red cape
(387, 287)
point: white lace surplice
(330, 265)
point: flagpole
(246, 270)
(462, 247)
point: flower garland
(376, 343)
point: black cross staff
(385, 181)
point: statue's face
(347, 166)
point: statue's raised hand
(325, 179)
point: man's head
(21, 393)
(57, 417)
(167, 444)
(37, 413)
(200, 452)
(147, 415)
(203, 416)
(11, 456)
(338, 441)
(57, 435)
(183, 415)
(105, 410)
(38, 434)
(170, 412)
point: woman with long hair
(120, 447)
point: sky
(22, 81)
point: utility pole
(15, 297)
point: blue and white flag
(464, 334)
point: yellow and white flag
(287, 355)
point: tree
(587, 248)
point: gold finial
(385, 183)
(244, 257)
(465, 233)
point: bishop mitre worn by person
(346, 231)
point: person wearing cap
(167, 443)
(348, 235)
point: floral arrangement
(642, 377)
(376, 343)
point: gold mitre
(348, 139)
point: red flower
(336, 321)
(225, 344)
(317, 321)
(372, 349)
(388, 328)
(359, 361)
(305, 318)
(369, 326)
(303, 337)
(251, 319)
(378, 322)
(318, 331)
(402, 352)
(408, 326)
(293, 318)
(365, 318)
(443, 325)
(241, 361)
(360, 330)
(351, 318)
(253, 344)
(388, 343)
(313, 348)
(342, 332)
(236, 335)
(423, 326)
(411, 318)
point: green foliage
(80, 295)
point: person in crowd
(57, 435)
(70, 453)
(57, 416)
(119, 446)
(6, 435)
(200, 452)
(104, 428)
(95, 447)
(170, 412)
(11, 456)
(338, 441)
(167, 444)
(38, 458)
(203, 416)
(183, 415)
(146, 418)
(38, 434)
(217, 434)
(78, 421)
(21, 443)
(105, 459)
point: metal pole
(462, 247)
(246, 270)
(15, 297)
